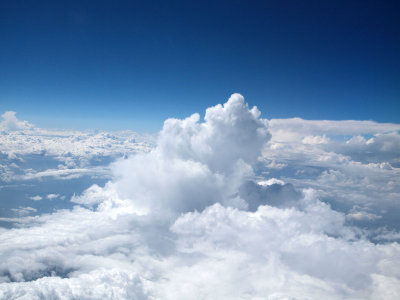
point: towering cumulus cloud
(196, 164)
(192, 220)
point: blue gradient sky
(130, 65)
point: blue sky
(130, 65)
(288, 208)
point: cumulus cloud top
(194, 219)
(230, 132)
(196, 163)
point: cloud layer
(201, 216)
(29, 153)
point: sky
(131, 64)
(199, 150)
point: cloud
(378, 148)
(63, 174)
(277, 252)
(230, 126)
(11, 123)
(52, 196)
(285, 128)
(315, 140)
(23, 211)
(198, 218)
(272, 252)
(74, 148)
(204, 162)
(349, 163)
(36, 198)
(95, 195)
(31, 153)
(362, 216)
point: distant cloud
(270, 181)
(363, 216)
(24, 211)
(36, 198)
(63, 174)
(77, 153)
(11, 123)
(52, 196)
(301, 127)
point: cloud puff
(196, 164)
(52, 196)
(11, 123)
(231, 132)
(193, 219)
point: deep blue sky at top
(131, 64)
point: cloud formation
(29, 153)
(354, 165)
(11, 123)
(196, 164)
(200, 216)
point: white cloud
(362, 216)
(52, 196)
(36, 198)
(93, 195)
(63, 174)
(76, 153)
(67, 145)
(270, 181)
(349, 163)
(232, 127)
(283, 128)
(11, 123)
(316, 140)
(204, 162)
(23, 211)
(273, 252)
(192, 220)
